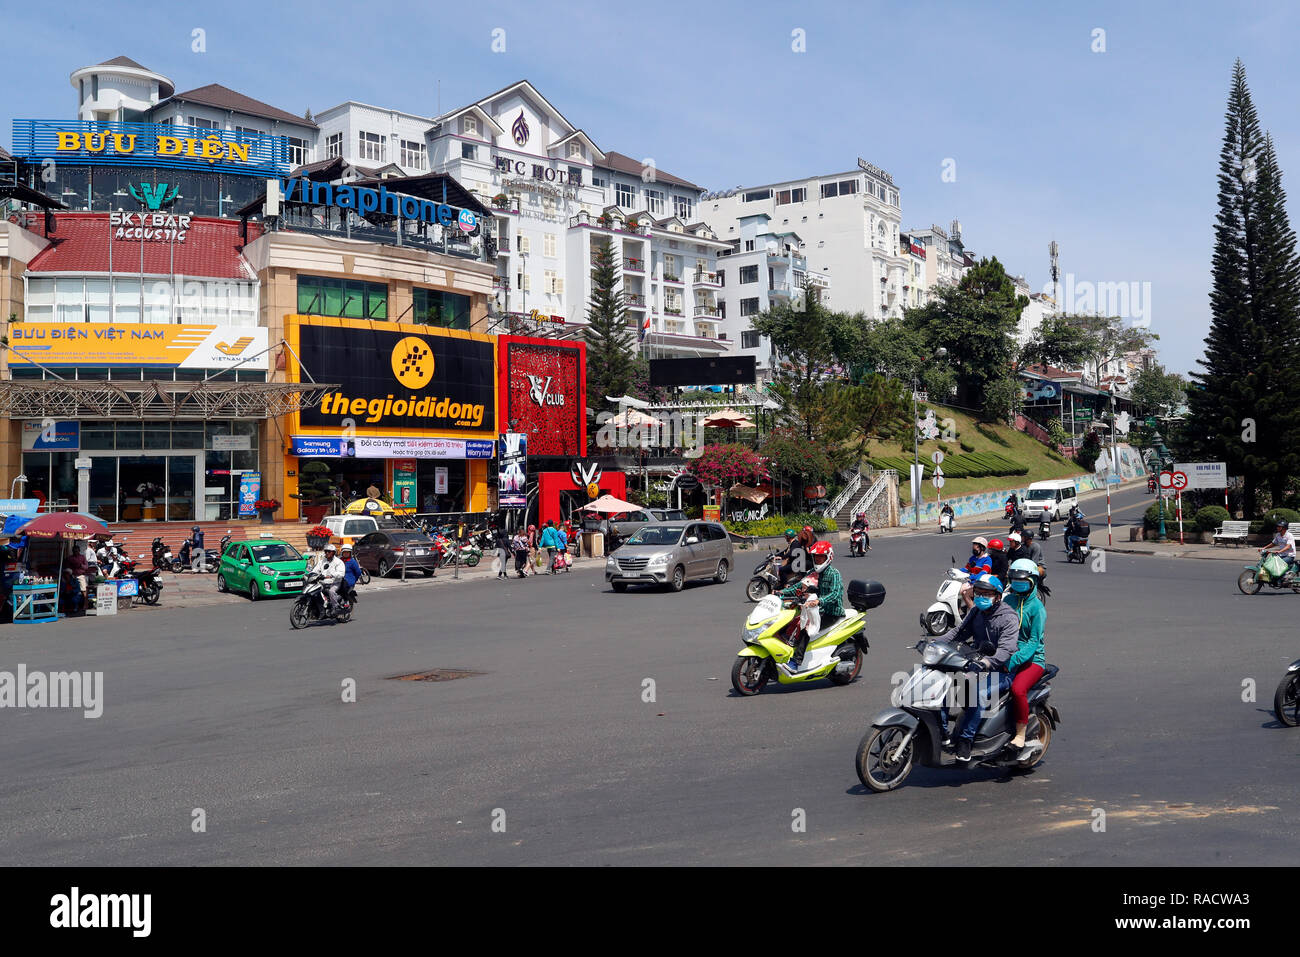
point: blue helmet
(988, 582)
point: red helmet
(996, 544)
(821, 550)
(809, 530)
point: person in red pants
(1028, 661)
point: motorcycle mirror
(953, 558)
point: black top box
(864, 595)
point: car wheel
(222, 584)
(254, 592)
(721, 576)
(678, 579)
(382, 568)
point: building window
(334, 145)
(200, 123)
(682, 208)
(787, 196)
(575, 175)
(748, 274)
(749, 245)
(469, 126)
(468, 151)
(654, 201)
(348, 298)
(297, 151)
(749, 307)
(575, 150)
(749, 340)
(413, 154)
(756, 195)
(599, 181)
(371, 146)
(433, 307)
(623, 195)
(722, 277)
(548, 245)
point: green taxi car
(265, 567)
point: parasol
(729, 419)
(609, 505)
(65, 525)
(748, 493)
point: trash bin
(593, 544)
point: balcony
(673, 278)
(707, 313)
(781, 290)
(634, 300)
(503, 245)
(631, 264)
(708, 279)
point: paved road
(226, 709)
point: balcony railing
(635, 300)
(503, 244)
(709, 313)
(707, 279)
(633, 265)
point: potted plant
(315, 491)
(265, 509)
(604, 222)
(500, 200)
(633, 224)
(318, 537)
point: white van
(1057, 494)
(349, 528)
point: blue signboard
(310, 447)
(52, 436)
(19, 506)
(250, 490)
(150, 144)
(479, 449)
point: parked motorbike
(162, 555)
(312, 604)
(911, 731)
(1286, 700)
(857, 544)
(1271, 571)
(211, 559)
(766, 578)
(148, 585)
(835, 652)
(946, 523)
(948, 608)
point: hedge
(775, 525)
(1210, 518)
(968, 465)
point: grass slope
(1024, 449)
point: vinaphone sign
(365, 200)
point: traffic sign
(1151, 421)
(1203, 474)
(1175, 481)
(1180, 481)
(937, 459)
(938, 480)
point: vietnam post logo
(412, 362)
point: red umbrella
(64, 525)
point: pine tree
(1243, 410)
(610, 353)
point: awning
(93, 399)
(748, 493)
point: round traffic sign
(938, 481)
(1166, 480)
(937, 458)
(1180, 480)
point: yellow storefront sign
(135, 344)
(211, 148)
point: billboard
(715, 370)
(544, 394)
(404, 379)
(136, 344)
(1203, 474)
(512, 470)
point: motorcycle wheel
(365, 577)
(936, 623)
(344, 616)
(1286, 701)
(176, 566)
(749, 675)
(1248, 583)
(472, 559)
(758, 589)
(1040, 727)
(151, 594)
(844, 679)
(875, 768)
(298, 615)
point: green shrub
(775, 525)
(1278, 515)
(1151, 519)
(966, 447)
(1210, 518)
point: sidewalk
(1244, 555)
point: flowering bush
(263, 504)
(724, 465)
(318, 531)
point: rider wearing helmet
(993, 628)
(332, 572)
(1076, 530)
(829, 597)
(998, 558)
(1025, 549)
(785, 557)
(196, 549)
(1283, 544)
(979, 560)
(1027, 664)
(860, 524)
(351, 572)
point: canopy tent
(729, 419)
(608, 504)
(632, 418)
(748, 493)
(626, 400)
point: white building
(118, 91)
(946, 258)
(849, 226)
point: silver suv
(671, 554)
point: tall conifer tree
(610, 353)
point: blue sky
(1112, 154)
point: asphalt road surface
(553, 755)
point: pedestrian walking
(520, 545)
(502, 542)
(532, 549)
(550, 540)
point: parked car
(347, 529)
(671, 554)
(265, 567)
(382, 552)
(629, 523)
(668, 515)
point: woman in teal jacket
(1028, 661)
(550, 541)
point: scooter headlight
(932, 654)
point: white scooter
(947, 609)
(945, 522)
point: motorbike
(947, 609)
(946, 523)
(1151, 483)
(765, 580)
(911, 731)
(1286, 700)
(211, 558)
(835, 651)
(162, 555)
(1271, 571)
(857, 543)
(1044, 529)
(312, 604)
(1078, 552)
(149, 585)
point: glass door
(105, 492)
(143, 482)
(180, 488)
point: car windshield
(358, 527)
(657, 535)
(276, 552)
(1035, 494)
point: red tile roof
(224, 98)
(80, 244)
(626, 164)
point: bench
(1235, 532)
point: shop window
(348, 298)
(433, 307)
(129, 435)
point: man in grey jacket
(994, 631)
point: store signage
(51, 436)
(250, 490)
(365, 200)
(536, 316)
(137, 344)
(874, 171)
(585, 473)
(19, 506)
(542, 393)
(231, 443)
(211, 148)
(512, 470)
(397, 377)
(404, 482)
(441, 475)
(155, 227)
(547, 174)
(381, 447)
(154, 197)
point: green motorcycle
(1272, 571)
(835, 652)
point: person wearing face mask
(828, 599)
(1027, 664)
(993, 629)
